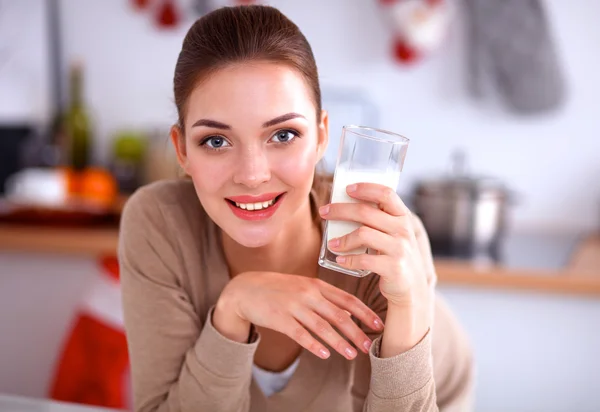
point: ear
(323, 132)
(178, 140)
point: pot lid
(461, 183)
(472, 184)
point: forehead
(256, 91)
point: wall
(533, 352)
(24, 87)
(551, 160)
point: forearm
(218, 372)
(405, 327)
(227, 322)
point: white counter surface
(11, 403)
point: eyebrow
(218, 125)
(281, 119)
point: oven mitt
(511, 46)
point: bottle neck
(76, 88)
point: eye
(284, 136)
(215, 142)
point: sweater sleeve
(436, 374)
(178, 361)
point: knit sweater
(172, 273)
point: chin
(253, 237)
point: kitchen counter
(580, 275)
(87, 241)
(11, 403)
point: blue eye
(284, 136)
(215, 142)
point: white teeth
(255, 206)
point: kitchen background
(535, 349)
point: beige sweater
(173, 270)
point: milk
(343, 178)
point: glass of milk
(365, 155)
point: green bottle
(77, 122)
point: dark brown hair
(232, 35)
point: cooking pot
(463, 215)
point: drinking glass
(369, 155)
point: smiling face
(250, 145)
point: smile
(255, 207)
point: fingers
(297, 332)
(367, 215)
(368, 237)
(342, 321)
(325, 331)
(380, 264)
(386, 198)
(352, 304)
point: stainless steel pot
(464, 215)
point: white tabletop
(11, 403)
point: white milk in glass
(344, 177)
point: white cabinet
(534, 352)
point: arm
(178, 361)
(435, 373)
(402, 359)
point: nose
(252, 168)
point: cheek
(209, 173)
(297, 166)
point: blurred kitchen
(499, 99)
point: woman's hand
(294, 305)
(388, 229)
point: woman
(226, 308)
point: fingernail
(378, 324)
(324, 209)
(333, 243)
(351, 353)
(324, 353)
(367, 345)
(351, 188)
(340, 259)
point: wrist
(227, 321)
(406, 326)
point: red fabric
(94, 363)
(93, 366)
(110, 264)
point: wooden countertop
(580, 277)
(92, 241)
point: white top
(273, 382)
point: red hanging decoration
(140, 4)
(167, 15)
(419, 26)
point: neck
(286, 254)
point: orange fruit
(98, 187)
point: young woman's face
(251, 144)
